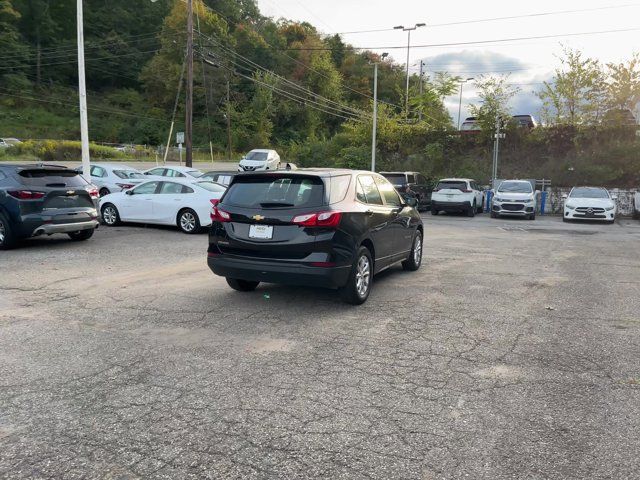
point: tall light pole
(82, 94)
(375, 112)
(460, 104)
(188, 123)
(408, 30)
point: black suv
(314, 227)
(43, 200)
(411, 184)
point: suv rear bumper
(278, 272)
(50, 229)
(450, 206)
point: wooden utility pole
(188, 123)
(229, 149)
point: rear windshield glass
(211, 186)
(52, 178)
(515, 187)
(257, 156)
(586, 192)
(276, 192)
(399, 179)
(452, 185)
(128, 174)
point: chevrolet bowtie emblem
(71, 192)
(258, 217)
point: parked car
(224, 178)
(9, 142)
(589, 203)
(514, 198)
(315, 227)
(470, 125)
(259, 160)
(3, 143)
(45, 199)
(411, 184)
(111, 178)
(457, 195)
(636, 205)
(179, 202)
(187, 173)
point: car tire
(110, 215)
(104, 192)
(471, 212)
(532, 216)
(358, 286)
(565, 219)
(434, 211)
(188, 221)
(8, 238)
(81, 235)
(242, 285)
(413, 262)
(480, 209)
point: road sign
(179, 137)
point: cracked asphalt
(514, 353)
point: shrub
(62, 150)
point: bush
(61, 150)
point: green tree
(623, 83)
(495, 94)
(13, 50)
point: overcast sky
(528, 62)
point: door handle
(369, 212)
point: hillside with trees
(285, 84)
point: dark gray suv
(45, 199)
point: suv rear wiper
(52, 185)
(276, 204)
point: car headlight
(608, 209)
(569, 206)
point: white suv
(457, 195)
(259, 160)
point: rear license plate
(261, 231)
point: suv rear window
(396, 179)
(40, 177)
(276, 192)
(452, 185)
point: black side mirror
(128, 192)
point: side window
(422, 180)
(186, 189)
(389, 193)
(339, 188)
(360, 196)
(411, 178)
(156, 171)
(146, 188)
(370, 190)
(98, 172)
(170, 187)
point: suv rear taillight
(26, 194)
(93, 191)
(218, 215)
(320, 219)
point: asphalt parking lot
(514, 352)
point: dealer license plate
(261, 231)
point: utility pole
(82, 94)
(408, 30)
(229, 149)
(421, 86)
(188, 123)
(460, 104)
(496, 152)
(375, 113)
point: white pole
(407, 88)
(375, 117)
(82, 91)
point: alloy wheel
(2, 232)
(187, 221)
(109, 215)
(363, 275)
(417, 250)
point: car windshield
(395, 178)
(589, 192)
(261, 156)
(194, 173)
(211, 187)
(276, 191)
(452, 185)
(515, 187)
(128, 174)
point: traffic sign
(179, 137)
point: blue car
(41, 199)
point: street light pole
(82, 94)
(188, 123)
(460, 104)
(375, 113)
(408, 30)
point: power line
(510, 17)
(91, 59)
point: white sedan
(110, 178)
(186, 204)
(187, 173)
(589, 203)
